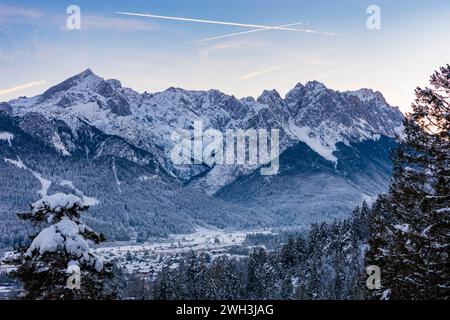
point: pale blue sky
(37, 51)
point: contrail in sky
(257, 26)
(258, 73)
(237, 34)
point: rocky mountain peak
(367, 95)
(315, 85)
(270, 97)
(85, 74)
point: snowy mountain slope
(146, 203)
(310, 188)
(321, 117)
(93, 137)
(310, 113)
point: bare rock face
(5, 107)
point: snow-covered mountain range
(323, 135)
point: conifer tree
(289, 256)
(410, 226)
(314, 264)
(256, 288)
(59, 264)
(168, 286)
(225, 282)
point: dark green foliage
(410, 227)
(44, 272)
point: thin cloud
(238, 24)
(264, 71)
(22, 86)
(10, 12)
